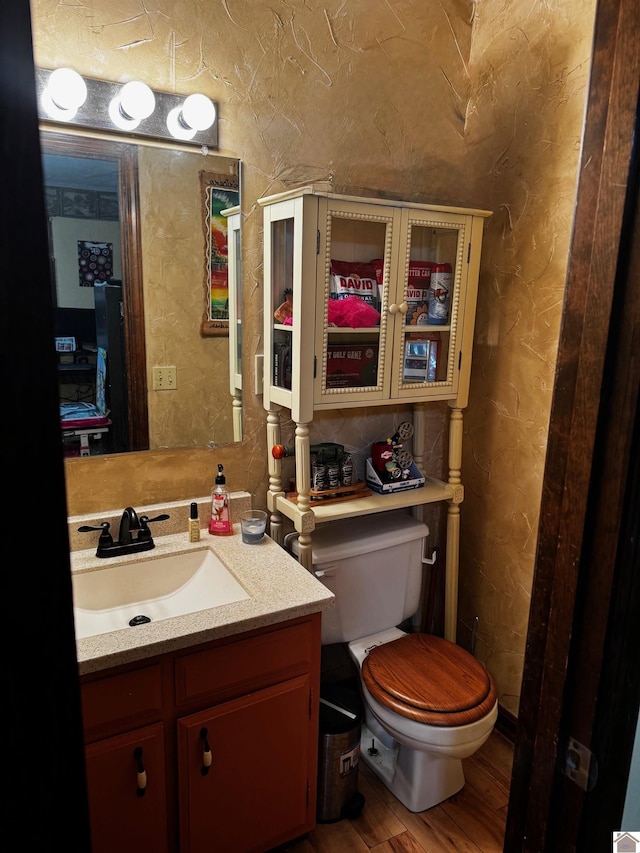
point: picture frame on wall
(108, 207)
(219, 191)
(81, 204)
(95, 262)
(52, 200)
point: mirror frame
(125, 154)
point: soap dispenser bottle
(220, 524)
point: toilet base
(420, 780)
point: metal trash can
(338, 754)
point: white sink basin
(155, 588)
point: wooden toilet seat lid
(430, 680)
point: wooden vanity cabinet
(227, 733)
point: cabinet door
(255, 793)
(435, 298)
(124, 815)
(420, 347)
(290, 237)
(355, 306)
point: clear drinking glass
(253, 524)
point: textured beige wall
(389, 98)
(173, 264)
(529, 70)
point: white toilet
(428, 702)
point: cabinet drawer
(120, 702)
(250, 664)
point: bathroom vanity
(201, 730)
(215, 746)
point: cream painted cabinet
(320, 251)
(367, 302)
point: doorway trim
(566, 544)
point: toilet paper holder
(430, 561)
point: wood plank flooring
(472, 821)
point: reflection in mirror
(97, 289)
(235, 318)
(128, 238)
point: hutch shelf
(367, 302)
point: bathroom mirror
(128, 237)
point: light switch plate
(164, 378)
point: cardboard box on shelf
(65, 344)
(415, 480)
(421, 358)
(352, 365)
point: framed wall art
(95, 262)
(219, 191)
(52, 200)
(79, 203)
(108, 207)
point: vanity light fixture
(64, 97)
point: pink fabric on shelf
(352, 312)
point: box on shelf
(65, 344)
(282, 365)
(421, 358)
(415, 480)
(352, 365)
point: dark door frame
(42, 749)
(586, 550)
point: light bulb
(177, 127)
(137, 100)
(198, 112)
(134, 102)
(64, 94)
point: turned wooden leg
(275, 476)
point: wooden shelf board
(431, 492)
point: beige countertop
(279, 589)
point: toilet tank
(373, 566)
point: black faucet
(128, 522)
(126, 544)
